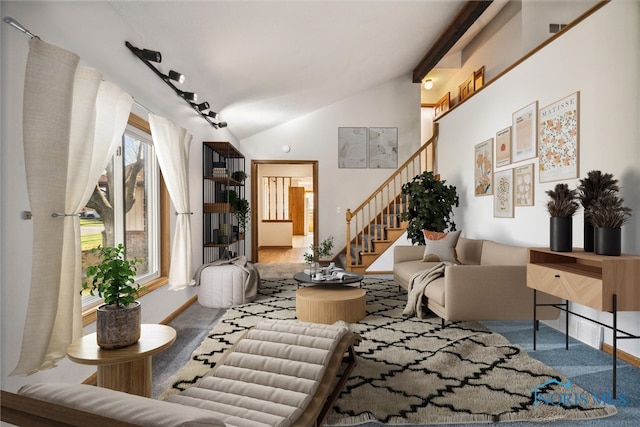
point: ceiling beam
(469, 13)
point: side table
(126, 369)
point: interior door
(296, 210)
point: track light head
(222, 124)
(212, 114)
(202, 106)
(190, 96)
(176, 76)
(150, 55)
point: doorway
(284, 214)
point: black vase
(589, 235)
(608, 241)
(561, 233)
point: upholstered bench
(280, 373)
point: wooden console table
(604, 283)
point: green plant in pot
(241, 210)
(430, 206)
(562, 205)
(318, 252)
(239, 176)
(594, 186)
(608, 215)
(113, 279)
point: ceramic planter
(118, 327)
(589, 236)
(608, 241)
(561, 233)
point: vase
(608, 241)
(589, 235)
(118, 327)
(561, 233)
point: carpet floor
(468, 374)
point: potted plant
(317, 252)
(593, 187)
(113, 279)
(430, 206)
(607, 214)
(241, 210)
(562, 206)
(239, 176)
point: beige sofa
(489, 283)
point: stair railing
(383, 208)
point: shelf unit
(604, 283)
(221, 235)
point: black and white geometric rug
(414, 371)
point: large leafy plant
(114, 278)
(429, 207)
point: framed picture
(524, 185)
(352, 148)
(483, 168)
(503, 147)
(558, 139)
(525, 135)
(383, 148)
(503, 198)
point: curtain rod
(18, 26)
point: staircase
(376, 224)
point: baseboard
(622, 355)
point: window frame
(89, 314)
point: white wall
(599, 58)
(315, 137)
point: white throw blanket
(418, 284)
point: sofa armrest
(404, 253)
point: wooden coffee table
(125, 369)
(329, 302)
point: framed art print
(503, 147)
(525, 136)
(503, 198)
(483, 168)
(524, 185)
(558, 139)
(383, 148)
(352, 148)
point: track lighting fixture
(176, 76)
(202, 106)
(147, 56)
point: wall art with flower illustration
(503, 147)
(503, 198)
(483, 168)
(524, 138)
(524, 185)
(558, 139)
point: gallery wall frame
(524, 128)
(503, 147)
(383, 148)
(483, 168)
(503, 197)
(558, 140)
(524, 185)
(352, 147)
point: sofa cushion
(469, 251)
(443, 248)
(498, 254)
(435, 291)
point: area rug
(414, 371)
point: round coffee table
(350, 278)
(329, 302)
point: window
(125, 207)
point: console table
(604, 283)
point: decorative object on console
(430, 206)
(483, 168)
(593, 187)
(118, 319)
(561, 206)
(558, 145)
(607, 214)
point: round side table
(125, 369)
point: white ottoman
(222, 286)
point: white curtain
(172, 145)
(79, 119)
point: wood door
(296, 210)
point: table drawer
(575, 287)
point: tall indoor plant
(562, 205)
(113, 279)
(607, 214)
(429, 206)
(594, 186)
